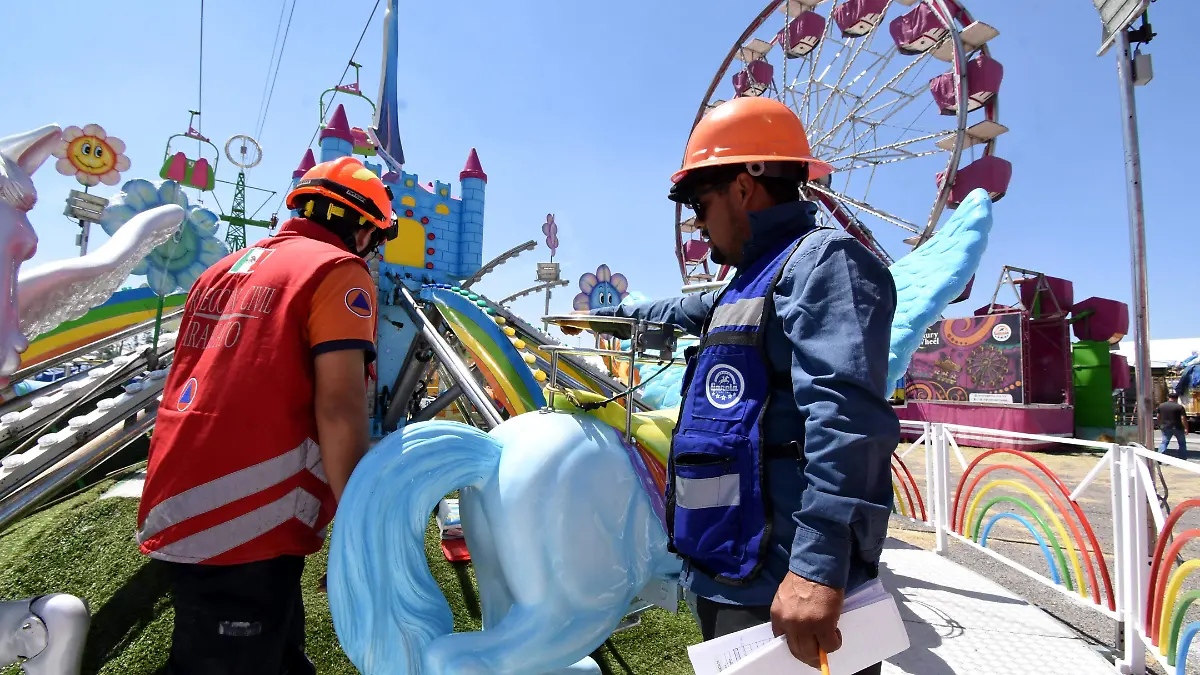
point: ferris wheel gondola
(857, 100)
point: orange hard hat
(747, 130)
(346, 181)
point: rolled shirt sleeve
(836, 302)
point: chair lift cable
(284, 191)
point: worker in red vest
(263, 418)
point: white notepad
(872, 631)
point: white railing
(1151, 611)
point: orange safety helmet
(346, 181)
(748, 130)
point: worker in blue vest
(785, 402)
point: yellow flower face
(92, 155)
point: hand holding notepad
(871, 628)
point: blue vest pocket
(710, 498)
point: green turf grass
(85, 546)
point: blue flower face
(602, 289)
(194, 248)
(604, 295)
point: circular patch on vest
(187, 395)
(358, 301)
(724, 386)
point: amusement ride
(481, 401)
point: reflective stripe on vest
(230, 534)
(718, 515)
(234, 487)
(744, 312)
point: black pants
(717, 619)
(238, 619)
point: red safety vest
(235, 472)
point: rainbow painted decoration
(1167, 607)
(124, 309)
(503, 358)
(1055, 523)
(911, 505)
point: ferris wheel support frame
(833, 201)
(960, 134)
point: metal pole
(546, 324)
(438, 404)
(84, 226)
(1137, 242)
(158, 321)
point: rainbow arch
(1053, 502)
(1165, 607)
(902, 481)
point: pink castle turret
(307, 163)
(339, 126)
(336, 139)
(473, 169)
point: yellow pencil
(824, 662)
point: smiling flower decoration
(183, 258)
(91, 155)
(602, 289)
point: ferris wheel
(877, 84)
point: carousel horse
(47, 633)
(562, 533)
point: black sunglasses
(693, 200)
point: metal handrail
(75, 465)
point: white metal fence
(1143, 588)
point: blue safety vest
(718, 509)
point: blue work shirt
(827, 347)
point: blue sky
(582, 110)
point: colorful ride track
(124, 309)
(503, 358)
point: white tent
(1163, 353)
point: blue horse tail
(378, 544)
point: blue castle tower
(440, 238)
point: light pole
(1117, 16)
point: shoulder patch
(358, 301)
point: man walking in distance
(263, 419)
(1172, 421)
(785, 400)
